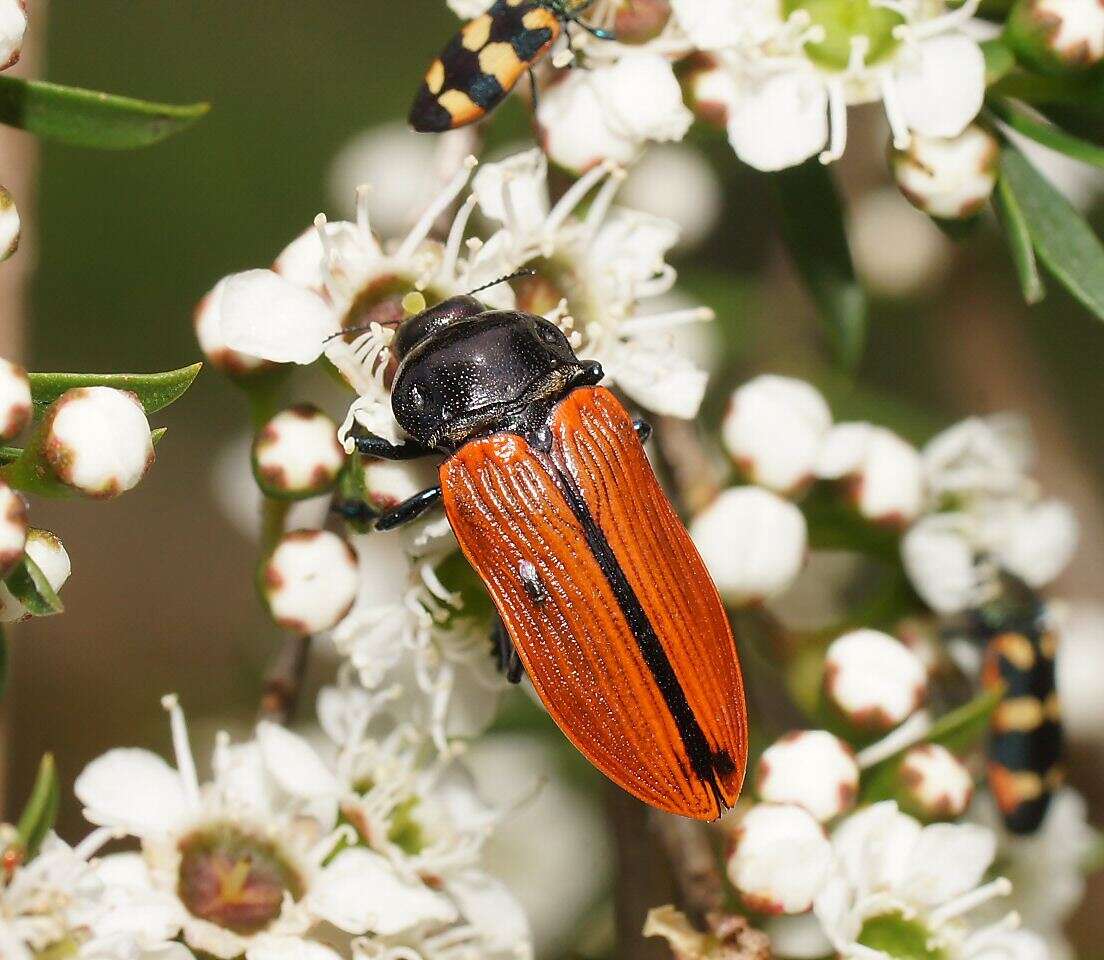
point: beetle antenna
(525, 272)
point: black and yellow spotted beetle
(1025, 734)
(483, 62)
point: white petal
(942, 88)
(361, 892)
(294, 764)
(576, 132)
(134, 790)
(780, 121)
(642, 98)
(288, 948)
(716, 24)
(524, 179)
(267, 316)
(489, 906)
(659, 379)
(1038, 542)
(797, 938)
(939, 559)
(947, 861)
(632, 246)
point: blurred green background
(161, 596)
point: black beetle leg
(643, 429)
(534, 90)
(410, 509)
(355, 511)
(505, 653)
(370, 445)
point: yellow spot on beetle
(435, 77)
(1048, 645)
(474, 35)
(1017, 650)
(501, 62)
(1053, 708)
(460, 106)
(1055, 777)
(541, 19)
(1027, 785)
(1022, 714)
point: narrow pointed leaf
(41, 810)
(88, 118)
(28, 584)
(1019, 242)
(813, 228)
(1062, 239)
(999, 60)
(155, 390)
(1049, 135)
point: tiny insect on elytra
(601, 595)
(484, 60)
(1025, 732)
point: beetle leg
(370, 445)
(534, 91)
(505, 653)
(643, 429)
(356, 511)
(410, 509)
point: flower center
(403, 828)
(62, 950)
(899, 938)
(556, 279)
(379, 302)
(234, 880)
(844, 22)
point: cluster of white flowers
(777, 76)
(13, 26)
(358, 847)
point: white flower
(752, 541)
(310, 581)
(47, 552)
(781, 859)
(608, 112)
(10, 226)
(898, 252)
(951, 177)
(979, 457)
(774, 428)
(1034, 541)
(936, 782)
(676, 183)
(407, 629)
(939, 557)
(794, 77)
(895, 877)
(15, 399)
(883, 472)
(387, 483)
(1058, 35)
(13, 25)
(212, 338)
(873, 679)
(13, 529)
(812, 769)
(1047, 867)
(97, 440)
(297, 453)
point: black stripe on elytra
(706, 764)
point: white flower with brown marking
(935, 783)
(212, 339)
(97, 441)
(47, 551)
(810, 768)
(297, 453)
(881, 472)
(781, 859)
(10, 225)
(15, 399)
(948, 177)
(1058, 36)
(13, 529)
(310, 580)
(873, 680)
(13, 27)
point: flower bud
(97, 441)
(1034, 541)
(781, 859)
(640, 21)
(951, 178)
(979, 457)
(812, 769)
(387, 483)
(13, 529)
(774, 428)
(10, 225)
(212, 341)
(297, 454)
(935, 784)
(873, 680)
(15, 399)
(710, 88)
(13, 26)
(939, 560)
(752, 541)
(1057, 36)
(310, 580)
(47, 552)
(882, 472)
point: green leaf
(155, 390)
(813, 229)
(38, 816)
(30, 587)
(999, 60)
(1019, 242)
(1061, 237)
(87, 118)
(1049, 135)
